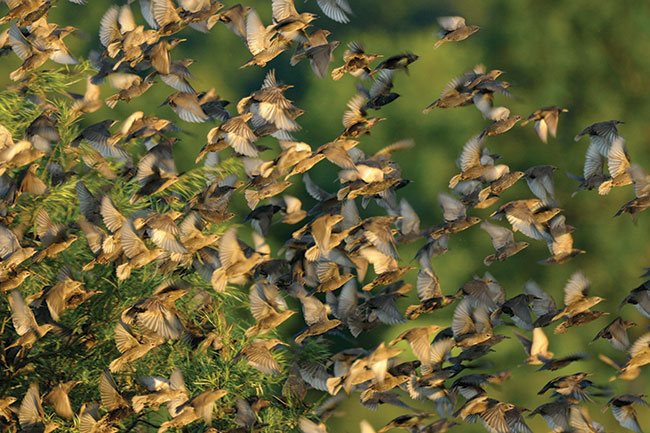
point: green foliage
(88, 346)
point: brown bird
(623, 411)
(491, 412)
(601, 134)
(399, 61)
(270, 106)
(618, 161)
(471, 323)
(545, 121)
(118, 32)
(268, 307)
(454, 29)
(502, 124)
(58, 397)
(640, 298)
(320, 56)
(31, 415)
(187, 106)
(34, 50)
(540, 181)
(259, 356)
(569, 386)
(89, 102)
(135, 249)
(641, 181)
(561, 243)
(262, 41)
(158, 313)
(418, 339)
(474, 164)
(357, 62)
(555, 413)
(316, 317)
(356, 120)
(581, 421)
(234, 19)
(455, 216)
(136, 89)
(616, 334)
(576, 298)
(55, 237)
(132, 347)
(537, 349)
(639, 353)
(503, 242)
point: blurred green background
(591, 58)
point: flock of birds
(323, 264)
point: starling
(418, 339)
(187, 106)
(640, 298)
(503, 123)
(54, 236)
(406, 421)
(288, 22)
(234, 19)
(320, 56)
(43, 132)
(336, 10)
(36, 52)
(399, 61)
(581, 421)
(537, 349)
(503, 242)
(561, 244)
(471, 323)
(556, 364)
(135, 90)
(576, 298)
(356, 120)
(158, 313)
(473, 165)
(569, 386)
(491, 412)
(357, 62)
(639, 353)
(616, 334)
(262, 41)
(135, 249)
(454, 29)
(31, 415)
(380, 93)
(166, 16)
(131, 346)
(641, 181)
(623, 411)
(545, 121)
(268, 307)
(523, 216)
(455, 216)
(118, 31)
(618, 162)
(316, 317)
(540, 181)
(601, 134)
(270, 106)
(259, 356)
(556, 414)
(26, 327)
(58, 397)
(89, 102)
